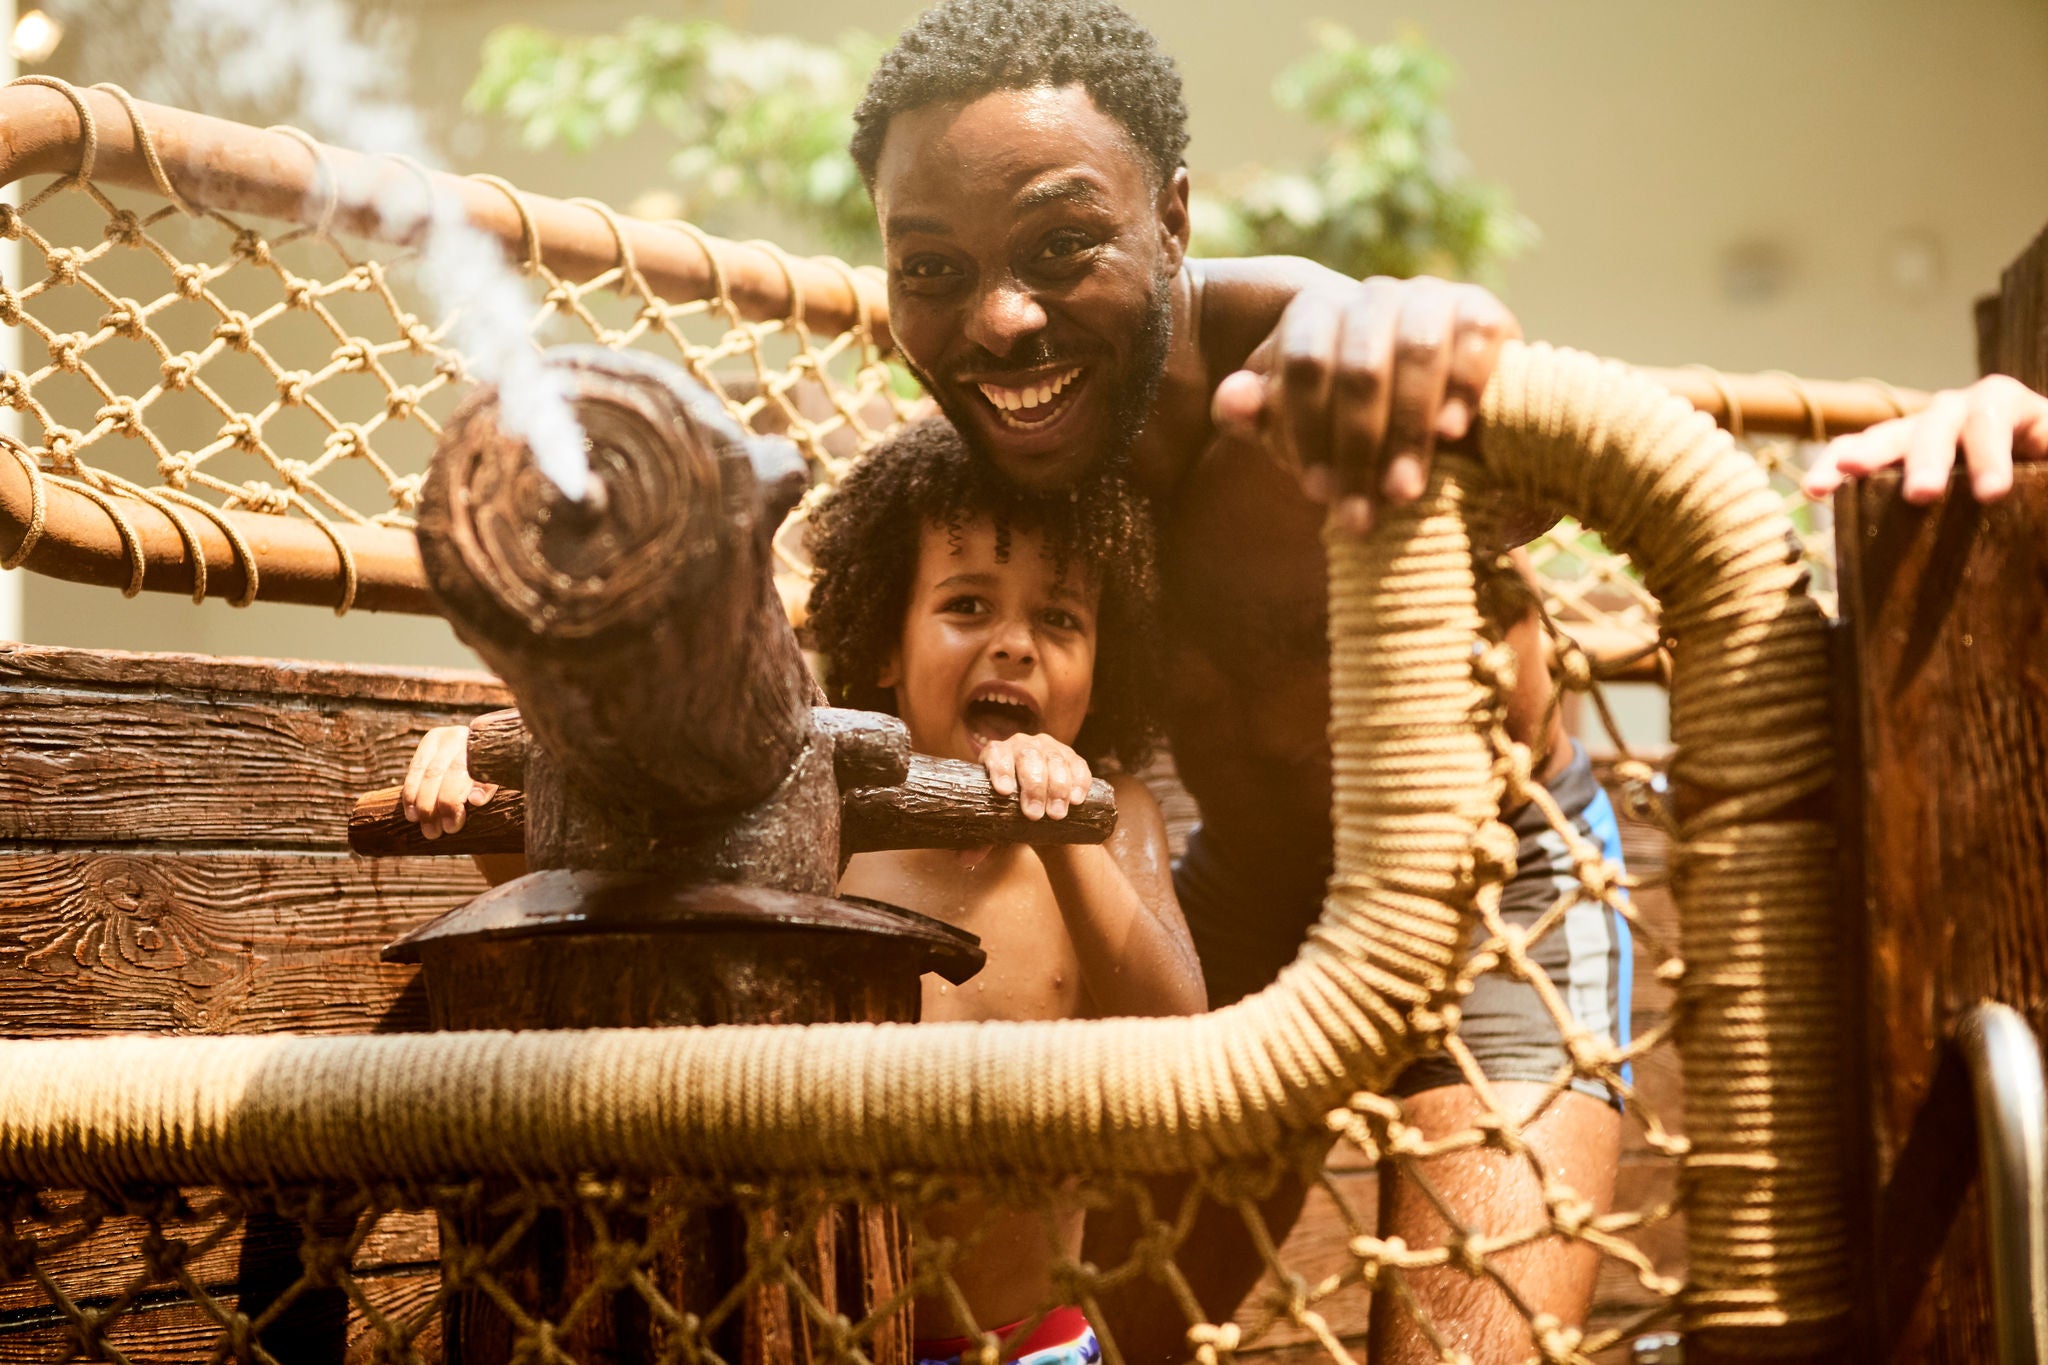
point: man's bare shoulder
(1243, 298)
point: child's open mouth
(997, 713)
(1022, 408)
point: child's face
(991, 648)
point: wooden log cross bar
(685, 809)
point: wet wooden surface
(1948, 607)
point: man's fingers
(1298, 390)
(1480, 327)
(1422, 371)
(1931, 451)
(1361, 398)
(1239, 405)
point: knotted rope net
(238, 1197)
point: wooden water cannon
(684, 809)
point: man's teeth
(1010, 400)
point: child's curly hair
(864, 542)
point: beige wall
(1839, 148)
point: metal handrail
(2004, 1061)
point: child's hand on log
(1046, 776)
(1993, 422)
(438, 793)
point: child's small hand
(1046, 776)
(438, 793)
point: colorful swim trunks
(1064, 1338)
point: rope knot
(451, 368)
(242, 430)
(10, 307)
(121, 414)
(1213, 1340)
(405, 492)
(345, 441)
(68, 351)
(64, 263)
(175, 470)
(353, 354)
(249, 246)
(297, 473)
(125, 319)
(1494, 666)
(1495, 853)
(1558, 1342)
(1569, 1214)
(291, 387)
(557, 295)
(298, 292)
(1499, 1134)
(10, 223)
(235, 330)
(13, 390)
(189, 281)
(1574, 669)
(123, 228)
(179, 369)
(261, 497)
(62, 443)
(402, 402)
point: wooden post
(1947, 608)
(681, 812)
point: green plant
(763, 121)
(1390, 194)
(755, 119)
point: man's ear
(1174, 225)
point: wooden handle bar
(942, 803)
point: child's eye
(1059, 618)
(963, 606)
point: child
(1018, 632)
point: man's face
(1030, 263)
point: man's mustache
(1038, 353)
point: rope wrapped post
(682, 814)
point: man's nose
(1004, 314)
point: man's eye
(1065, 245)
(924, 268)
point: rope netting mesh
(195, 360)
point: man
(1025, 161)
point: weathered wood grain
(213, 942)
(126, 671)
(100, 766)
(1949, 614)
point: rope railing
(1421, 766)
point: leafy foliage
(764, 120)
(756, 119)
(1390, 195)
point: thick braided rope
(1116, 1095)
(1415, 793)
(1760, 1011)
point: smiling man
(1025, 159)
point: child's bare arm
(1117, 898)
(438, 794)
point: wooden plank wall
(173, 860)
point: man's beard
(1130, 403)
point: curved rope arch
(1418, 783)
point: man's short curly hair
(964, 49)
(865, 539)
